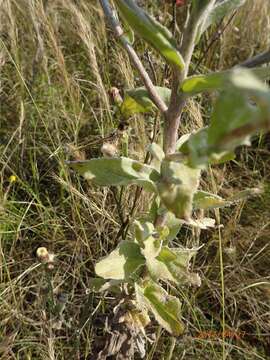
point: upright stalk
(178, 98)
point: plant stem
(257, 60)
(171, 350)
(119, 33)
(222, 292)
(178, 99)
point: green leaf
(128, 32)
(177, 265)
(138, 101)
(157, 156)
(203, 223)
(121, 263)
(216, 81)
(201, 10)
(174, 226)
(177, 186)
(232, 106)
(156, 151)
(182, 142)
(165, 308)
(233, 120)
(149, 240)
(151, 248)
(100, 285)
(221, 10)
(199, 5)
(117, 171)
(198, 140)
(155, 34)
(205, 200)
(172, 265)
(143, 230)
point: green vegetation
(139, 249)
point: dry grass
(247, 35)
(57, 66)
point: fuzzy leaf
(233, 120)
(129, 34)
(138, 101)
(221, 10)
(157, 156)
(206, 200)
(100, 285)
(199, 141)
(139, 319)
(203, 224)
(143, 230)
(149, 240)
(177, 186)
(219, 80)
(174, 226)
(121, 263)
(165, 308)
(117, 171)
(156, 151)
(176, 262)
(151, 248)
(155, 34)
(201, 9)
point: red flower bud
(180, 2)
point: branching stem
(178, 99)
(119, 33)
(257, 60)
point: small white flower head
(42, 254)
(109, 150)
(45, 257)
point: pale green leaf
(155, 34)
(138, 101)
(176, 262)
(199, 5)
(205, 200)
(128, 33)
(221, 10)
(177, 186)
(233, 121)
(174, 226)
(151, 248)
(165, 308)
(218, 81)
(203, 223)
(143, 230)
(101, 285)
(156, 151)
(157, 155)
(181, 141)
(117, 171)
(121, 263)
(149, 239)
(172, 265)
(201, 10)
(198, 140)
